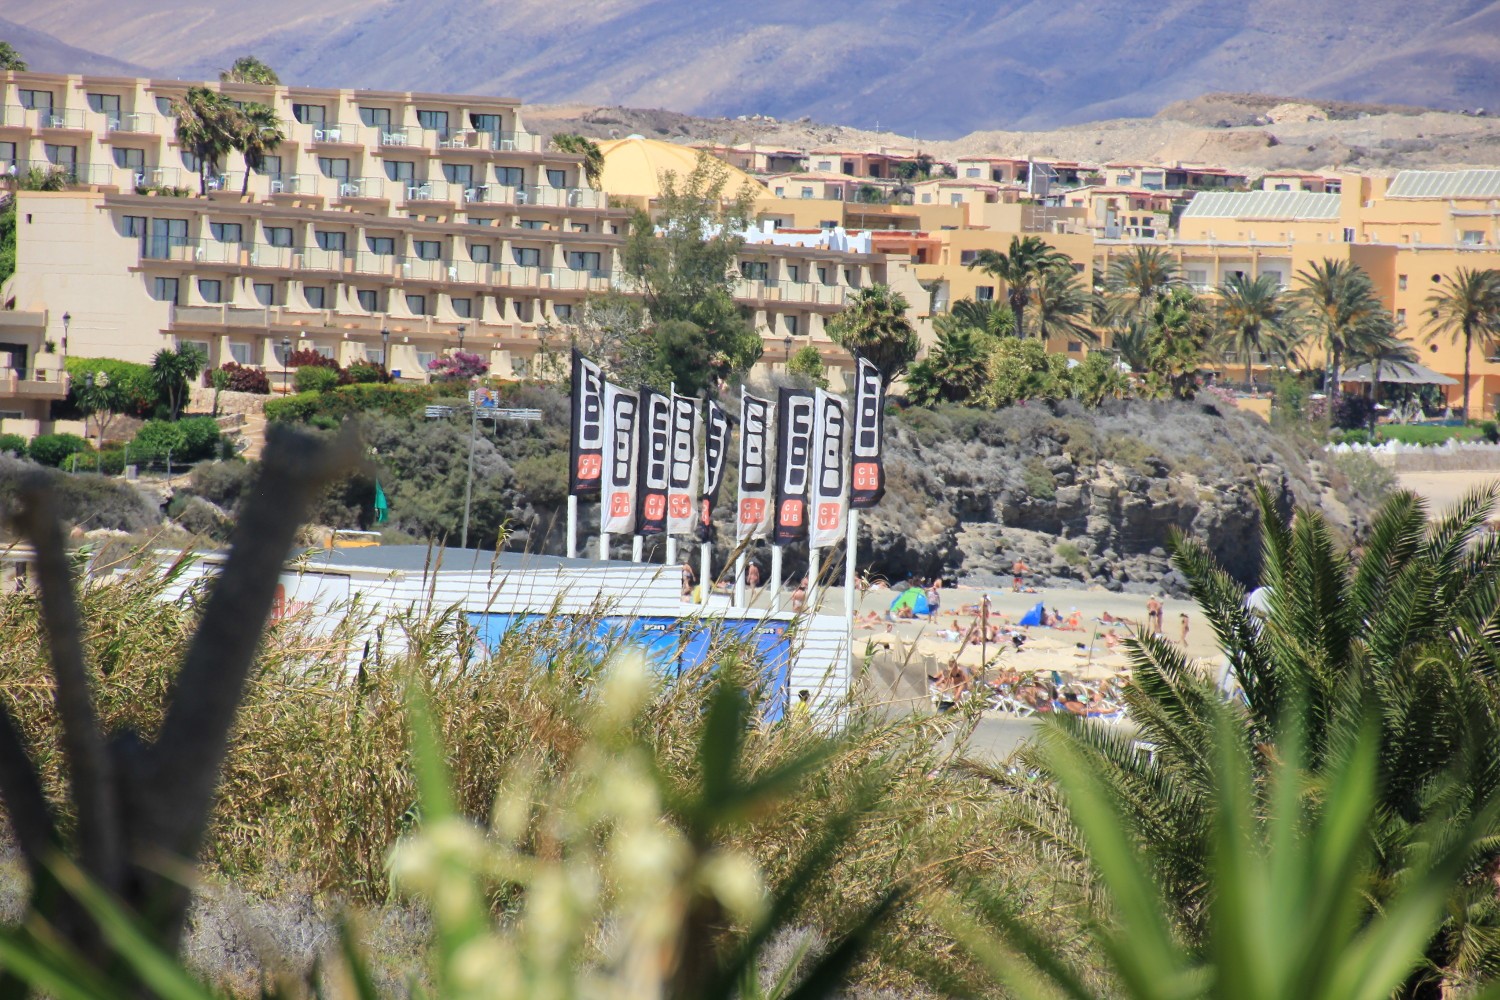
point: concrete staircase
(253, 434)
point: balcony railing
(60, 118)
(225, 315)
(183, 249)
(802, 292)
(552, 197)
(335, 132)
(432, 191)
(157, 177)
(361, 187)
(400, 135)
(294, 184)
(71, 173)
(33, 383)
(130, 121)
(519, 142)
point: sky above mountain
(931, 68)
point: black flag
(586, 451)
(715, 460)
(794, 437)
(656, 448)
(868, 473)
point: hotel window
(7, 152)
(755, 270)
(510, 176)
(562, 311)
(60, 156)
(279, 236)
(557, 178)
(166, 234)
(425, 358)
(337, 168)
(329, 239)
(926, 199)
(35, 100)
(793, 272)
(530, 224)
(825, 164)
(133, 225)
(369, 299)
(526, 256)
(1401, 282)
(1349, 236)
(791, 325)
(433, 121)
(461, 174)
(164, 107)
(211, 289)
(226, 232)
(270, 166)
(190, 160)
(463, 307)
(479, 253)
(580, 260)
(309, 114)
(807, 192)
(427, 249)
(955, 199)
(130, 159)
(1400, 317)
(164, 290)
(1471, 236)
(485, 123)
(265, 293)
(416, 305)
(240, 353)
(382, 245)
(107, 105)
(580, 227)
(967, 257)
(984, 293)
(314, 295)
(1074, 346)
(375, 117)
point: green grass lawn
(1423, 434)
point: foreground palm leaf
(1405, 633)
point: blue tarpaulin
(1034, 616)
(672, 646)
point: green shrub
(188, 440)
(12, 444)
(54, 449)
(85, 499)
(111, 462)
(1367, 477)
(292, 409)
(221, 483)
(131, 390)
(315, 378)
(365, 372)
(1070, 553)
(1039, 482)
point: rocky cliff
(1088, 495)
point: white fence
(1449, 456)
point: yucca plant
(1402, 634)
(1289, 874)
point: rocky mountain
(1089, 496)
(930, 68)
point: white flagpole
(604, 546)
(572, 526)
(812, 578)
(671, 559)
(671, 550)
(775, 583)
(705, 567)
(851, 543)
(739, 581)
(637, 548)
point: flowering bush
(243, 378)
(460, 365)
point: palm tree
(258, 136)
(1343, 310)
(11, 59)
(1399, 637)
(1380, 351)
(171, 371)
(954, 370)
(987, 316)
(1134, 283)
(874, 326)
(1061, 307)
(1467, 304)
(593, 158)
(207, 124)
(1019, 268)
(248, 69)
(1255, 318)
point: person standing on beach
(1184, 629)
(1154, 616)
(1018, 570)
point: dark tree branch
(89, 766)
(31, 818)
(181, 771)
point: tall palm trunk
(1017, 310)
(245, 184)
(1468, 347)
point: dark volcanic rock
(1086, 495)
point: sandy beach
(1443, 489)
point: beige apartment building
(393, 226)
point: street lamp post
(67, 322)
(469, 482)
(286, 358)
(385, 351)
(461, 328)
(787, 340)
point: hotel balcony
(799, 292)
(34, 383)
(131, 122)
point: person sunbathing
(1074, 622)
